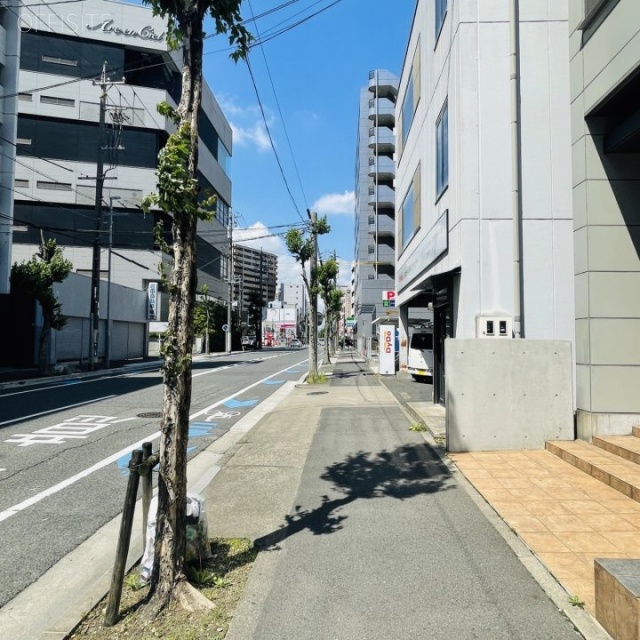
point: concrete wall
(508, 394)
(128, 316)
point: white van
(420, 356)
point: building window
(411, 98)
(25, 97)
(54, 186)
(371, 249)
(441, 12)
(67, 62)
(410, 211)
(593, 9)
(371, 219)
(63, 102)
(25, 141)
(21, 184)
(442, 151)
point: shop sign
(152, 292)
(144, 33)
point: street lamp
(107, 351)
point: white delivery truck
(420, 356)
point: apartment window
(63, 102)
(54, 186)
(410, 211)
(411, 97)
(67, 62)
(442, 151)
(21, 184)
(371, 249)
(441, 12)
(371, 219)
(25, 97)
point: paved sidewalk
(565, 517)
(367, 533)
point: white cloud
(256, 135)
(247, 123)
(335, 203)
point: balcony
(382, 168)
(382, 140)
(382, 196)
(383, 84)
(382, 112)
(386, 227)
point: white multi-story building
(9, 46)
(374, 232)
(63, 49)
(293, 293)
(484, 223)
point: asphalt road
(64, 449)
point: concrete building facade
(483, 181)
(605, 85)
(374, 268)
(9, 48)
(255, 272)
(63, 49)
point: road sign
(388, 298)
(225, 327)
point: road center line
(12, 511)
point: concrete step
(627, 447)
(620, 474)
(635, 431)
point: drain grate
(150, 414)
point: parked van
(420, 356)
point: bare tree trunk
(168, 574)
(44, 366)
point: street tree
(327, 274)
(209, 316)
(178, 197)
(254, 316)
(36, 278)
(303, 245)
(332, 299)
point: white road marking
(12, 511)
(44, 413)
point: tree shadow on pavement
(404, 472)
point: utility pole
(259, 329)
(313, 297)
(95, 263)
(107, 348)
(231, 276)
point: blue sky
(317, 69)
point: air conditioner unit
(494, 327)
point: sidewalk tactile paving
(566, 517)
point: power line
(55, 164)
(282, 120)
(125, 69)
(273, 147)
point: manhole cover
(150, 414)
(316, 393)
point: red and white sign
(387, 356)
